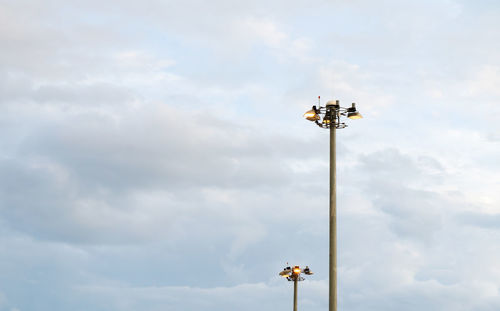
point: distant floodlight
(293, 275)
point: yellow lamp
(354, 115)
(311, 115)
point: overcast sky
(153, 154)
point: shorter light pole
(293, 275)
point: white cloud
(242, 297)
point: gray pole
(295, 293)
(333, 219)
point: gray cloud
(481, 220)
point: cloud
(243, 296)
(481, 220)
(75, 167)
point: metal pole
(295, 294)
(333, 220)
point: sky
(153, 154)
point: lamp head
(352, 113)
(296, 270)
(329, 115)
(307, 270)
(285, 275)
(286, 272)
(312, 115)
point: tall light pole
(293, 275)
(329, 117)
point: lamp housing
(354, 115)
(312, 115)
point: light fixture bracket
(330, 114)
